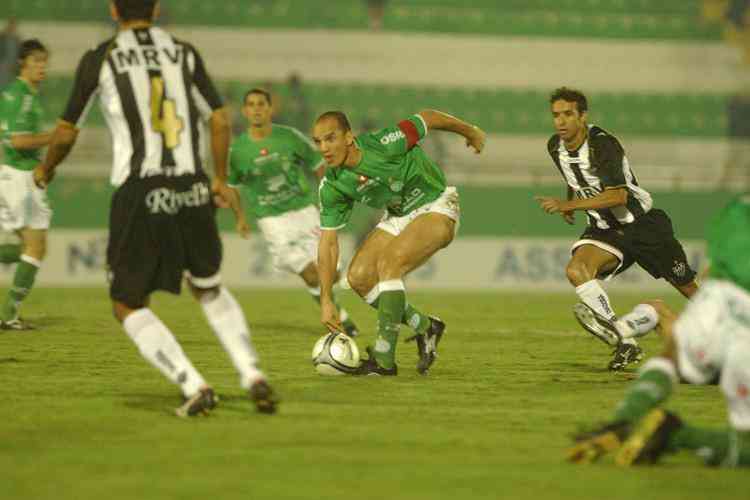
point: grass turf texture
(83, 417)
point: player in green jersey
(708, 342)
(387, 169)
(267, 166)
(23, 207)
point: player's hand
(243, 228)
(476, 140)
(42, 178)
(569, 217)
(549, 204)
(220, 189)
(329, 316)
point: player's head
(569, 111)
(257, 107)
(32, 60)
(332, 134)
(124, 11)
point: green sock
(10, 254)
(413, 318)
(725, 447)
(23, 280)
(390, 313)
(653, 386)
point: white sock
(159, 347)
(228, 322)
(593, 295)
(638, 322)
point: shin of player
(25, 208)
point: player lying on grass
(267, 165)
(387, 169)
(623, 227)
(709, 341)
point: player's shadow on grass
(153, 403)
(9, 360)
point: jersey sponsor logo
(275, 183)
(168, 201)
(587, 192)
(150, 57)
(392, 137)
(267, 158)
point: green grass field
(83, 417)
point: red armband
(410, 131)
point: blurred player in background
(623, 228)
(710, 340)
(268, 164)
(24, 208)
(156, 95)
(387, 169)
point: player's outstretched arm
(31, 141)
(62, 142)
(437, 120)
(606, 199)
(328, 257)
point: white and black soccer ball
(335, 354)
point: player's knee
(391, 265)
(204, 294)
(577, 273)
(359, 278)
(664, 312)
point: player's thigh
(658, 251)
(201, 245)
(594, 259)
(34, 242)
(700, 332)
(735, 381)
(363, 269)
(420, 240)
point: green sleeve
(399, 139)
(335, 208)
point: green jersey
(20, 113)
(394, 173)
(270, 172)
(729, 243)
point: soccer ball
(335, 354)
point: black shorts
(160, 227)
(649, 241)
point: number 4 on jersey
(164, 117)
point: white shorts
(713, 339)
(22, 204)
(447, 204)
(292, 238)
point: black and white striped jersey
(600, 163)
(155, 95)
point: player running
(709, 341)
(387, 169)
(155, 94)
(623, 228)
(267, 164)
(23, 207)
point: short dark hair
(259, 91)
(570, 95)
(135, 10)
(339, 117)
(29, 46)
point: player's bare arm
(328, 257)
(242, 226)
(31, 141)
(437, 120)
(62, 142)
(610, 197)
